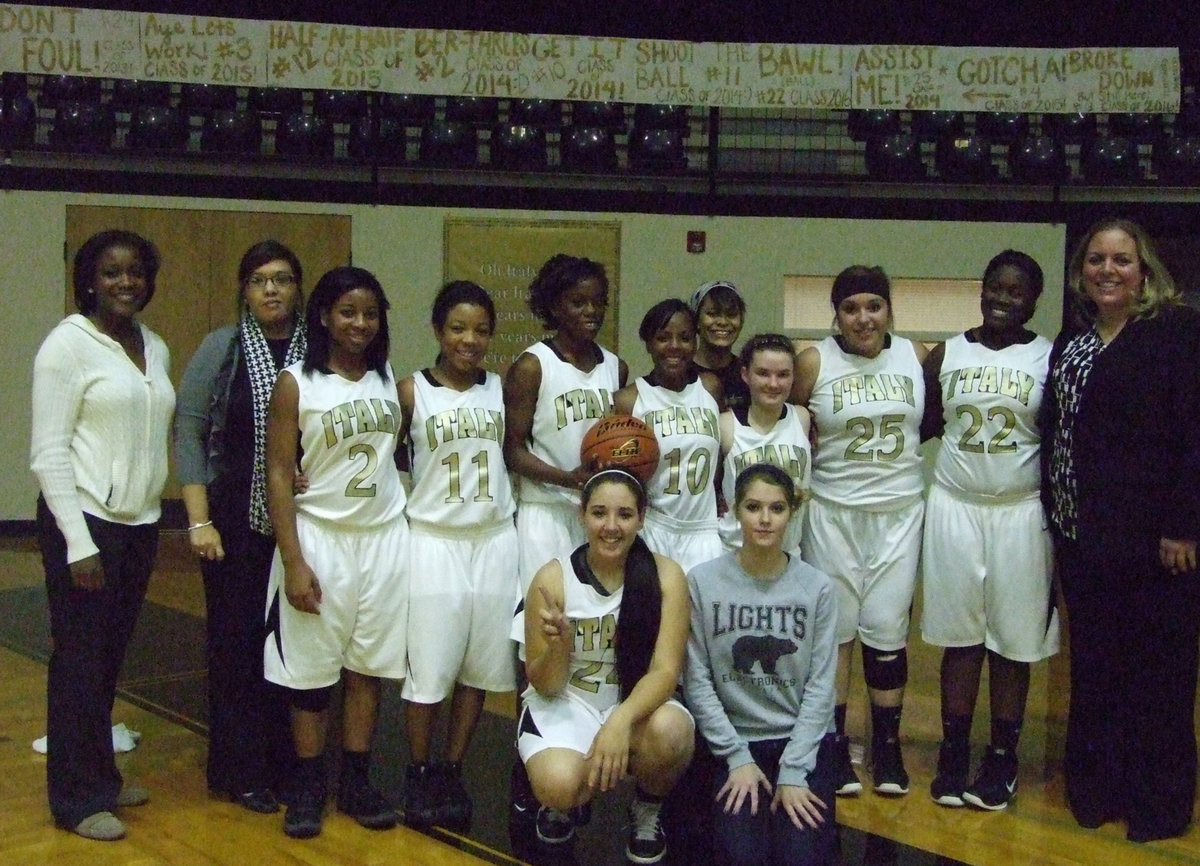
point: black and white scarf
(260, 364)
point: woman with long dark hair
(338, 597)
(605, 629)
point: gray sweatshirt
(761, 660)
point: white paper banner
(231, 51)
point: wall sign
(236, 51)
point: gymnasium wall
(403, 246)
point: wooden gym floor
(183, 825)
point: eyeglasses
(281, 280)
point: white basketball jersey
(593, 616)
(687, 427)
(569, 402)
(347, 440)
(785, 445)
(868, 417)
(990, 401)
(456, 446)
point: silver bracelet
(199, 525)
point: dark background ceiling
(1049, 23)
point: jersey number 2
(358, 488)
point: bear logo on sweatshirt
(765, 649)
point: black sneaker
(522, 805)
(358, 799)
(887, 766)
(996, 782)
(845, 779)
(456, 807)
(647, 841)
(554, 827)
(421, 800)
(954, 762)
(304, 814)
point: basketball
(620, 442)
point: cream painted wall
(755, 253)
(403, 246)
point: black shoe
(358, 799)
(1090, 803)
(887, 768)
(456, 807)
(1153, 833)
(264, 802)
(954, 762)
(522, 805)
(846, 782)
(996, 782)
(647, 841)
(554, 827)
(421, 796)
(1091, 796)
(304, 814)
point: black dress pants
(249, 734)
(1131, 746)
(90, 630)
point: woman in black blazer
(1121, 456)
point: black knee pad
(311, 700)
(885, 670)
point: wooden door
(196, 290)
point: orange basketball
(620, 442)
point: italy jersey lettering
(595, 633)
(356, 417)
(582, 404)
(683, 420)
(991, 379)
(872, 388)
(464, 423)
(792, 459)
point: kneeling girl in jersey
(760, 681)
(338, 597)
(605, 631)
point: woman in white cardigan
(102, 405)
